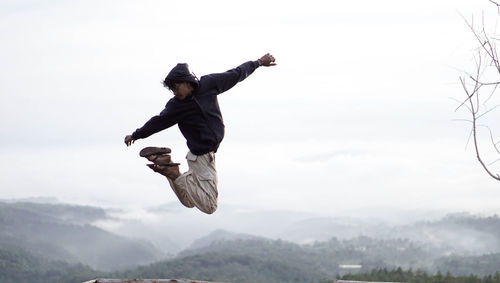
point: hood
(181, 73)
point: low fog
(172, 228)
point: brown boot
(171, 170)
(160, 159)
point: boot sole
(166, 165)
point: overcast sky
(358, 113)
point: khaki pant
(198, 186)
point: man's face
(182, 90)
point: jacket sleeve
(225, 81)
(164, 120)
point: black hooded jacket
(198, 116)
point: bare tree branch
(475, 89)
(495, 2)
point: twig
(486, 112)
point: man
(195, 109)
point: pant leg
(181, 192)
(198, 186)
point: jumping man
(195, 109)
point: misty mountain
(44, 200)
(265, 260)
(54, 213)
(219, 236)
(62, 241)
(461, 233)
(256, 261)
(324, 228)
(222, 267)
(65, 233)
(17, 265)
(173, 228)
(327, 256)
(320, 245)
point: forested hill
(57, 241)
(461, 233)
(240, 261)
(17, 265)
(261, 260)
(65, 233)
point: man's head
(181, 90)
(181, 81)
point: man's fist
(129, 140)
(267, 60)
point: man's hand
(129, 140)
(267, 60)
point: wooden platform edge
(193, 281)
(137, 280)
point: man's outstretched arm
(166, 119)
(225, 81)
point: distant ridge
(221, 235)
(48, 200)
